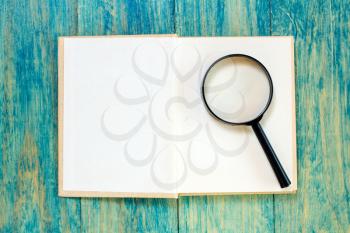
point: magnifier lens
(237, 89)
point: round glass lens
(237, 89)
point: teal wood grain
(28, 180)
(128, 215)
(101, 17)
(321, 31)
(127, 17)
(222, 18)
(247, 213)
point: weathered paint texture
(28, 116)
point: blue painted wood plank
(28, 129)
(222, 18)
(321, 30)
(28, 110)
(127, 17)
(128, 215)
(101, 17)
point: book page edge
(116, 194)
(169, 35)
(118, 36)
(60, 112)
(294, 139)
(291, 190)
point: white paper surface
(134, 120)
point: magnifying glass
(237, 89)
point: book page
(222, 158)
(116, 137)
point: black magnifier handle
(271, 156)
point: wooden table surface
(28, 120)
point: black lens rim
(250, 122)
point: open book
(132, 122)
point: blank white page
(109, 142)
(229, 159)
